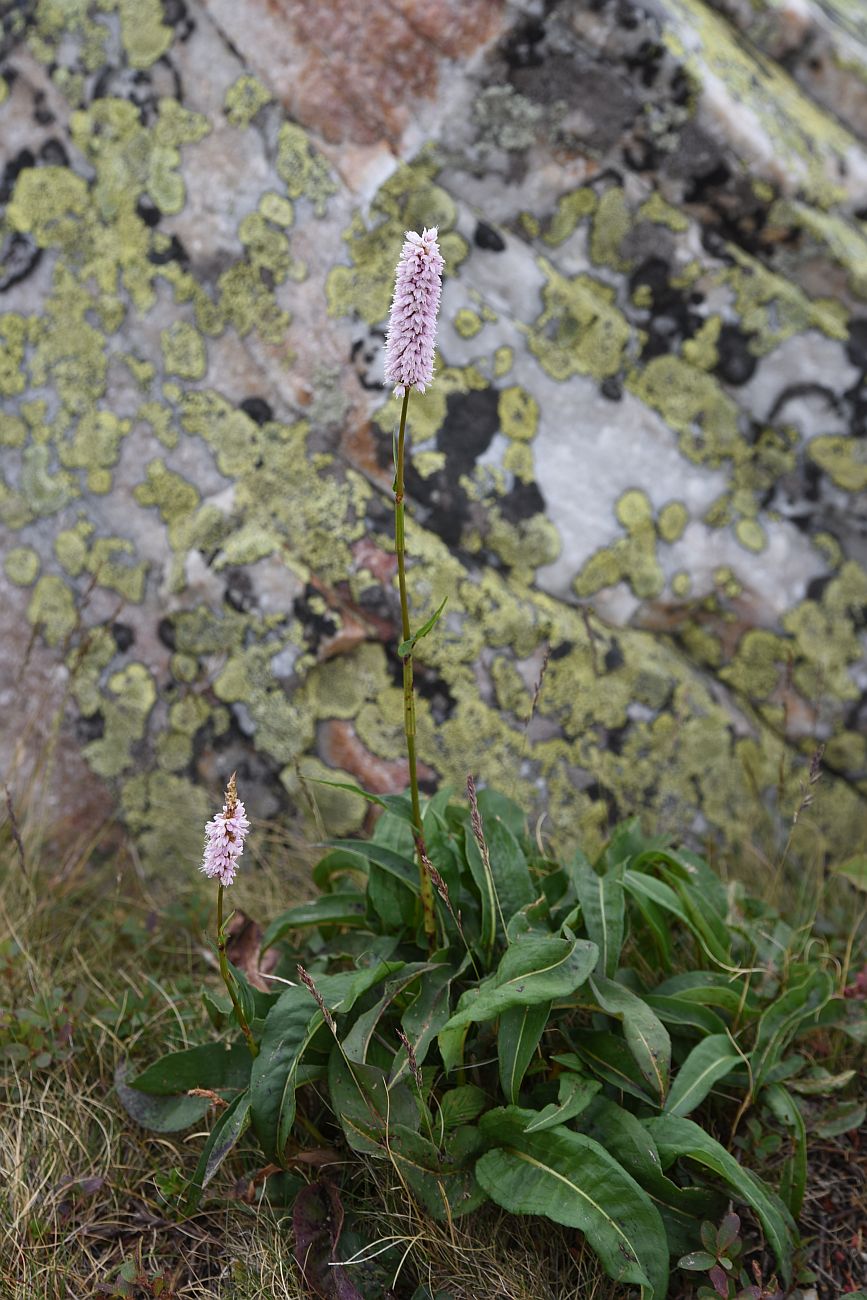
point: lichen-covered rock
(640, 472)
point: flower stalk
(409, 363)
(224, 844)
(425, 883)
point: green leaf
(337, 864)
(794, 1183)
(443, 1180)
(509, 865)
(574, 1095)
(159, 1114)
(496, 806)
(608, 1057)
(394, 864)
(518, 1035)
(628, 842)
(366, 1105)
(820, 1083)
(684, 1014)
(535, 969)
(569, 1178)
(212, 1065)
(645, 1033)
(699, 1261)
(428, 1012)
(357, 1041)
(351, 787)
(230, 1127)
(711, 989)
(840, 1118)
(291, 1025)
(626, 1138)
(709, 1061)
(681, 1138)
(785, 1018)
(406, 647)
(344, 909)
(461, 1105)
(603, 908)
(854, 871)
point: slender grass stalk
(228, 979)
(425, 883)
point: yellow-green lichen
(21, 565)
(243, 100)
(184, 351)
(467, 323)
(693, 404)
(612, 222)
(662, 213)
(409, 200)
(302, 169)
(571, 210)
(52, 610)
(843, 459)
(144, 34)
(580, 331)
(95, 447)
(518, 413)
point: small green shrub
(580, 1041)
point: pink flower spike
(412, 325)
(224, 838)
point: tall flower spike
(412, 324)
(224, 838)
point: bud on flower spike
(224, 838)
(412, 325)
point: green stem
(427, 898)
(229, 981)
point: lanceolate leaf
(627, 1139)
(427, 1013)
(289, 1028)
(535, 969)
(709, 1061)
(212, 1065)
(645, 1033)
(345, 909)
(518, 1036)
(683, 1014)
(788, 1112)
(571, 1179)
(783, 1020)
(604, 910)
(676, 1137)
(226, 1133)
(712, 989)
(608, 1057)
(169, 1114)
(401, 868)
(367, 1106)
(575, 1094)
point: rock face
(642, 465)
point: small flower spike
(224, 838)
(412, 325)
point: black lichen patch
(522, 502)
(124, 636)
(258, 410)
(736, 362)
(488, 238)
(471, 421)
(19, 257)
(672, 316)
(316, 619)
